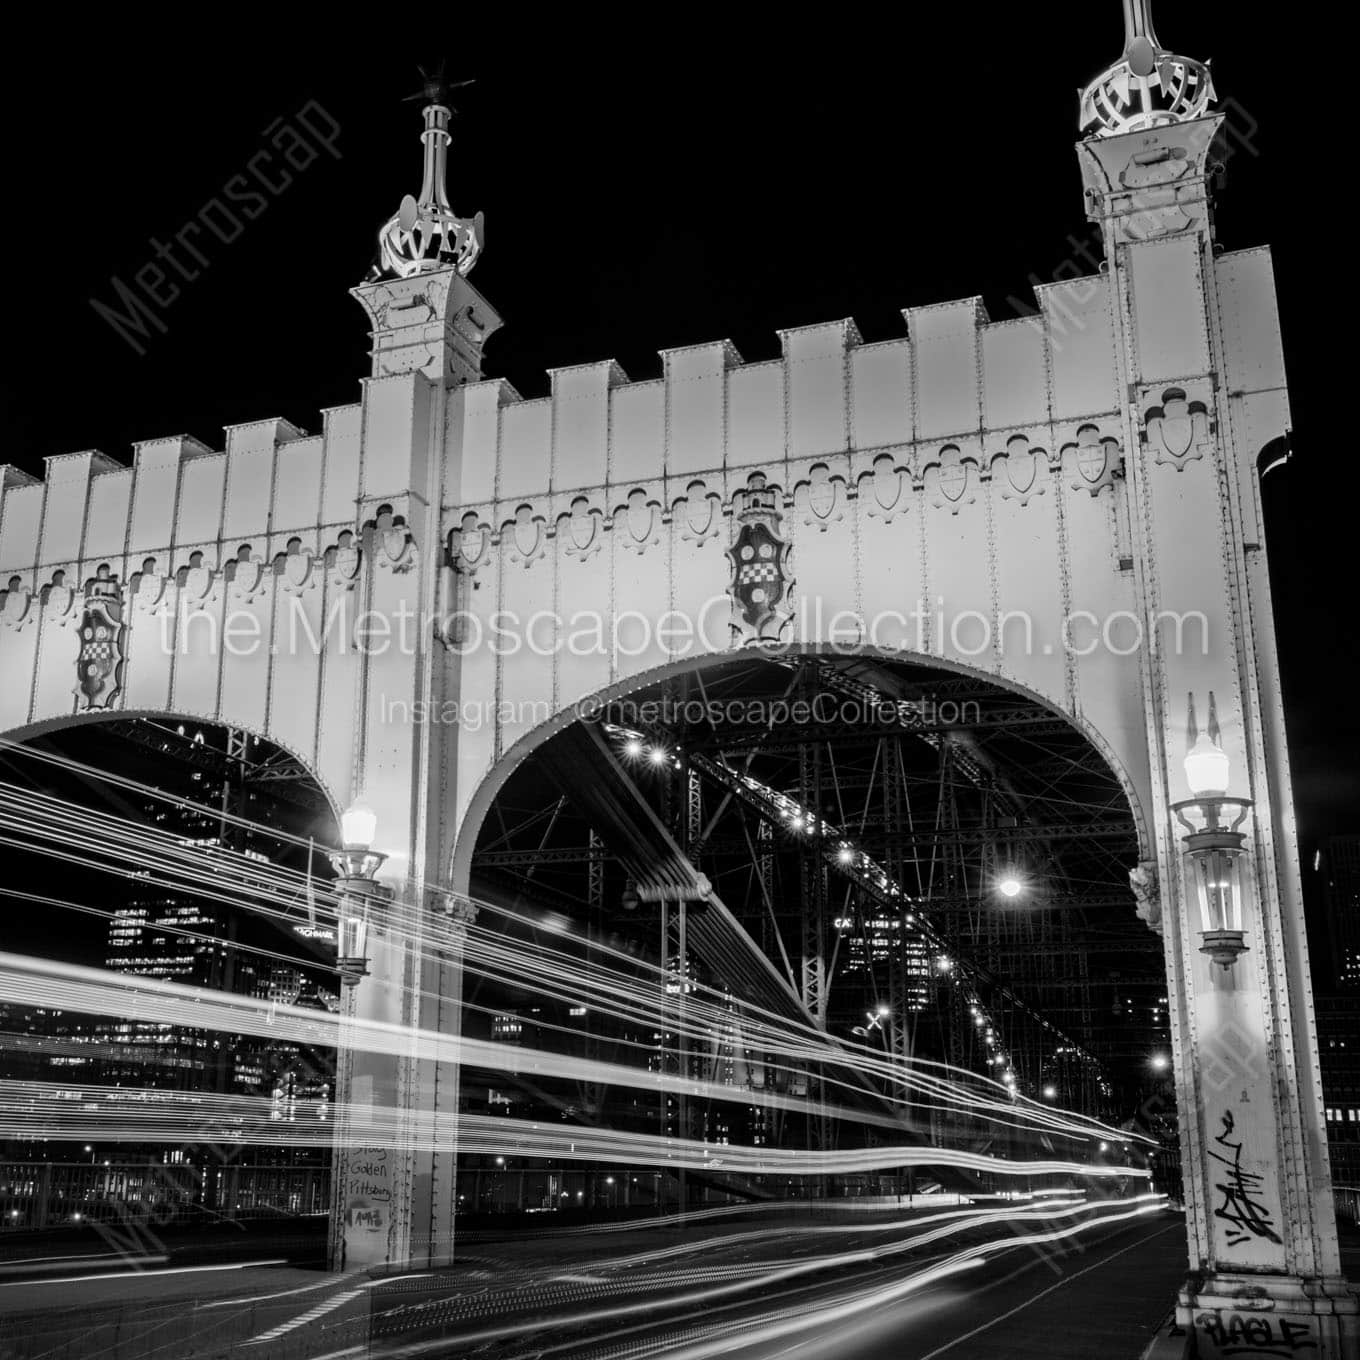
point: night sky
(648, 186)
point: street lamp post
(359, 896)
(1213, 845)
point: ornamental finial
(1147, 87)
(425, 234)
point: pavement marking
(311, 1315)
(1067, 1279)
(325, 1306)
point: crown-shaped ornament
(425, 234)
(1147, 87)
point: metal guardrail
(36, 1195)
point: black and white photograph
(678, 684)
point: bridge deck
(1102, 1296)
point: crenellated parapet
(959, 413)
(219, 585)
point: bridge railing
(38, 1195)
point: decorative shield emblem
(953, 480)
(247, 579)
(1096, 460)
(58, 599)
(196, 581)
(701, 515)
(17, 607)
(345, 561)
(888, 482)
(296, 568)
(582, 526)
(1092, 457)
(526, 535)
(759, 559)
(99, 667)
(469, 545)
(1178, 430)
(1022, 470)
(394, 543)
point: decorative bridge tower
(395, 1200)
(1189, 325)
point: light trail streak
(767, 1326)
(611, 992)
(32, 1264)
(28, 981)
(961, 1217)
(633, 994)
(772, 1325)
(34, 1110)
(142, 1274)
(133, 832)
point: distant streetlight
(1160, 1062)
(1050, 1093)
(1010, 886)
(632, 748)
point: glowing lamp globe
(358, 827)
(1009, 886)
(1207, 769)
(357, 859)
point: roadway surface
(1088, 1284)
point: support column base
(1269, 1315)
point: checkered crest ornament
(99, 667)
(760, 563)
